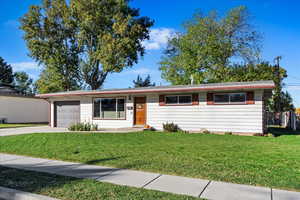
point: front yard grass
(67, 188)
(264, 161)
(19, 125)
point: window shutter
(161, 100)
(250, 98)
(195, 99)
(210, 99)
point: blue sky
(278, 20)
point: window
(230, 98)
(109, 108)
(178, 99)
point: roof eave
(219, 88)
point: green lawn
(67, 188)
(19, 125)
(265, 161)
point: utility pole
(277, 79)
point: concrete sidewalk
(207, 189)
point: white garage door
(67, 113)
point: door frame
(55, 110)
(134, 110)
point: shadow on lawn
(93, 162)
(277, 131)
(45, 176)
(30, 181)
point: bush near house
(83, 127)
(171, 127)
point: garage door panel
(67, 113)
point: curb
(12, 194)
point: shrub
(258, 134)
(83, 127)
(184, 132)
(171, 127)
(206, 132)
(228, 133)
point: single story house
(236, 107)
(16, 108)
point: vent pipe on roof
(192, 79)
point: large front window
(109, 108)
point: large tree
(110, 34)
(140, 82)
(6, 72)
(208, 45)
(83, 41)
(50, 35)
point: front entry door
(140, 110)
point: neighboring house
(222, 107)
(7, 89)
(16, 108)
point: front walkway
(174, 184)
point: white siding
(24, 110)
(234, 118)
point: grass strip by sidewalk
(67, 188)
(262, 161)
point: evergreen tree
(139, 82)
(6, 72)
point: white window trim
(178, 99)
(229, 102)
(117, 98)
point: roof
(173, 88)
(18, 95)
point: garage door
(67, 113)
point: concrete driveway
(47, 129)
(27, 130)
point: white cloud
(139, 71)
(24, 66)
(158, 38)
(293, 87)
